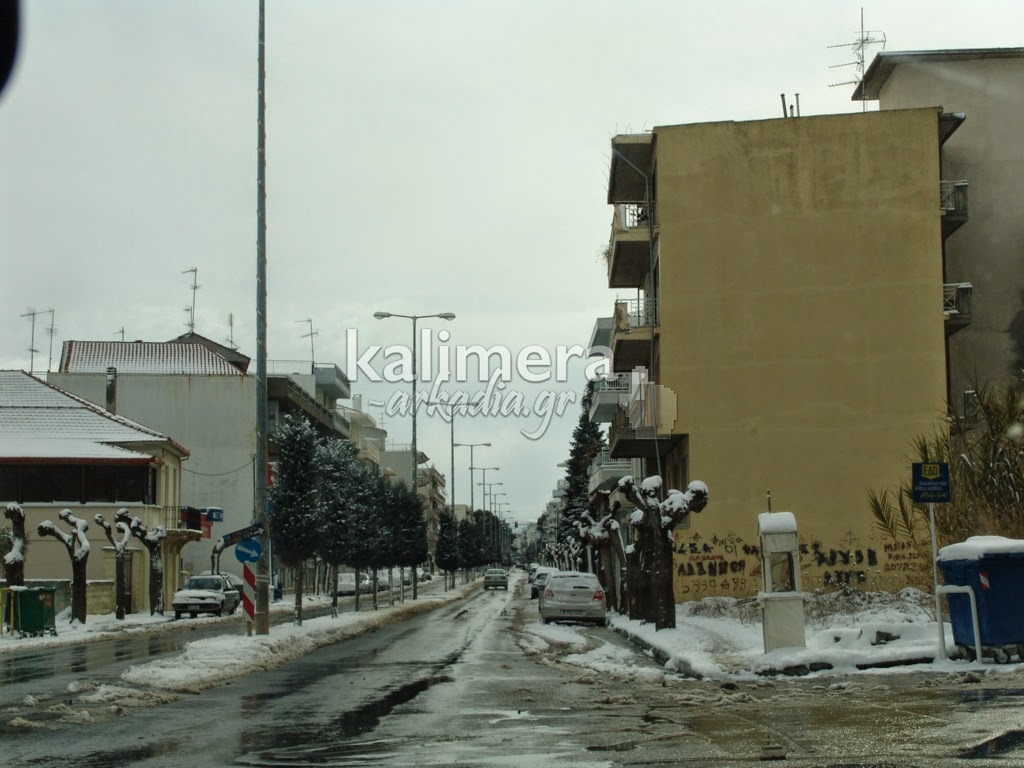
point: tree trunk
(78, 606)
(300, 577)
(359, 588)
(659, 554)
(120, 592)
(333, 578)
(15, 572)
(156, 579)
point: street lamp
(484, 483)
(471, 446)
(414, 318)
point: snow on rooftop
(977, 547)
(776, 522)
(144, 357)
(38, 420)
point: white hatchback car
(572, 596)
(206, 594)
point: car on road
(540, 575)
(573, 596)
(346, 584)
(496, 578)
(212, 593)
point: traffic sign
(930, 483)
(248, 551)
(256, 529)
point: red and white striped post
(249, 594)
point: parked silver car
(571, 596)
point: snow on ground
(714, 639)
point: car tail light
(549, 593)
(599, 595)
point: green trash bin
(34, 612)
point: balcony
(333, 382)
(630, 168)
(369, 452)
(635, 327)
(608, 396)
(629, 248)
(605, 471)
(644, 428)
(291, 397)
(953, 204)
(956, 306)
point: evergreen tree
(364, 521)
(340, 473)
(447, 556)
(411, 547)
(295, 520)
(587, 442)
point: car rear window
(574, 582)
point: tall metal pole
(471, 477)
(415, 375)
(262, 617)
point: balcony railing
(636, 313)
(956, 300)
(604, 461)
(953, 196)
(620, 383)
(633, 216)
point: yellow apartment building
(781, 281)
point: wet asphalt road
(461, 686)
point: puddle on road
(309, 743)
(997, 746)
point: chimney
(112, 390)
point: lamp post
(471, 446)
(484, 483)
(415, 375)
(451, 415)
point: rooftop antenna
(231, 331)
(311, 334)
(121, 331)
(51, 330)
(195, 287)
(32, 343)
(865, 38)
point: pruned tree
(651, 596)
(120, 545)
(77, 544)
(153, 540)
(447, 556)
(295, 519)
(601, 532)
(17, 539)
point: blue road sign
(214, 514)
(930, 483)
(248, 551)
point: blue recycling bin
(996, 575)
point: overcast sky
(423, 157)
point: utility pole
(262, 617)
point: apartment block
(780, 316)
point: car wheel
(219, 613)
(193, 614)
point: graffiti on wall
(729, 564)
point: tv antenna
(231, 331)
(121, 331)
(195, 287)
(31, 313)
(50, 331)
(859, 46)
(310, 335)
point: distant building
(979, 89)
